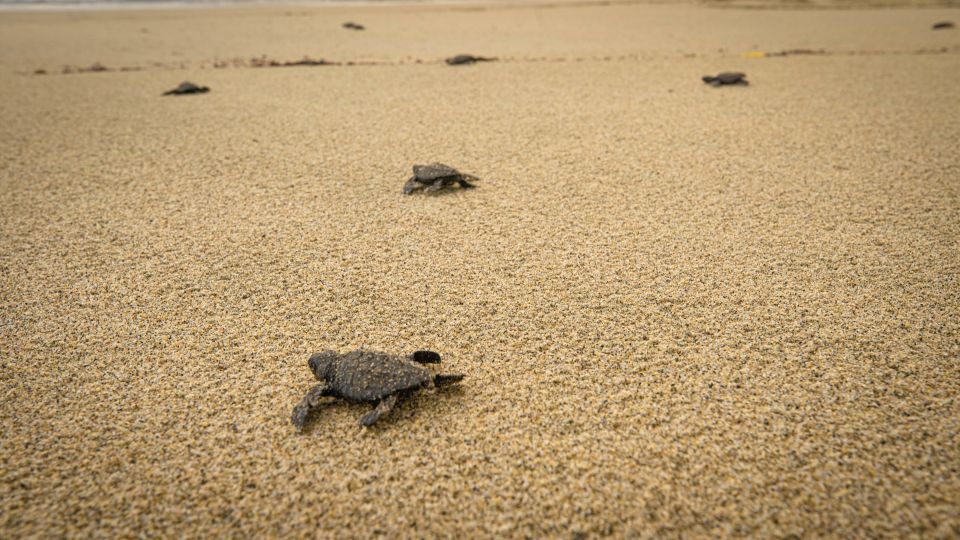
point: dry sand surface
(681, 311)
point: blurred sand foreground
(682, 311)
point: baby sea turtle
(943, 25)
(436, 176)
(350, 25)
(370, 377)
(467, 59)
(187, 88)
(725, 78)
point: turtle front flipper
(383, 408)
(309, 401)
(411, 185)
(465, 179)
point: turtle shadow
(445, 192)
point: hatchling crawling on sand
(187, 88)
(725, 78)
(436, 176)
(369, 377)
(462, 59)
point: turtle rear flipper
(384, 407)
(445, 380)
(437, 185)
(308, 403)
(426, 357)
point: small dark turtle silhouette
(369, 377)
(436, 176)
(353, 26)
(943, 25)
(96, 67)
(467, 59)
(187, 88)
(725, 78)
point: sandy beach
(682, 311)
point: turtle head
(321, 364)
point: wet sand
(682, 311)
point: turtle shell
(461, 59)
(433, 171)
(187, 88)
(370, 375)
(728, 77)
